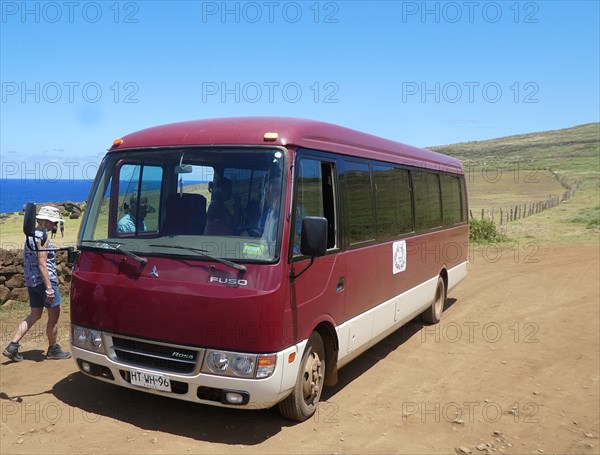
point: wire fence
(506, 214)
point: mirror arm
(294, 275)
(27, 239)
(36, 249)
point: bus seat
(185, 215)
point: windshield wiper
(117, 246)
(241, 268)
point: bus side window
(314, 197)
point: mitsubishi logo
(154, 273)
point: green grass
(485, 232)
(528, 162)
(572, 152)
(589, 217)
(14, 310)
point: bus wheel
(302, 402)
(433, 314)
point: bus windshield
(201, 203)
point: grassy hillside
(573, 152)
(516, 168)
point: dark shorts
(37, 296)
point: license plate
(150, 381)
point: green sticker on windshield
(253, 249)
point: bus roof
(290, 132)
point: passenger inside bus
(133, 217)
(219, 219)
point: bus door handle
(341, 284)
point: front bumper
(200, 387)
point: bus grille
(156, 356)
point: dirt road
(513, 368)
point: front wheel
(433, 314)
(302, 402)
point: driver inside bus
(130, 220)
(219, 219)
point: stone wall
(12, 282)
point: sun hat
(48, 212)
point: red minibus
(242, 262)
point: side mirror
(29, 220)
(29, 223)
(313, 240)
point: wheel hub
(313, 377)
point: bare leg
(52, 326)
(27, 323)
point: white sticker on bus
(399, 256)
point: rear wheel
(304, 399)
(433, 314)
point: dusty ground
(514, 365)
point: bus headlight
(236, 364)
(217, 362)
(88, 339)
(243, 365)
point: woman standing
(42, 283)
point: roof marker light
(117, 142)
(270, 137)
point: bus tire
(302, 403)
(433, 314)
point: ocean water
(15, 193)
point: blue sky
(77, 75)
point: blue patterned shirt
(33, 276)
(127, 224)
